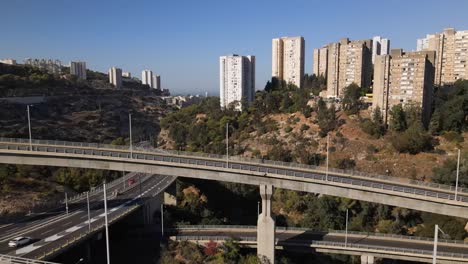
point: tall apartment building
(78, 68)
(147, 78)
(451, 49)
(404, 78)
(127, 74)
(237, 80)
(380, 46)
(320, 62)
(348, 62)
(157, 82)
(115, 77)
(288, 59)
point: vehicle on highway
(19, 241)
(131, 181)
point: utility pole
(227, 144)
(29, 126)
(458, 173)
(66, 203)
(162, 220)
(436, 237)
(89, 212)
(106, 223)
(130, 128)
(346, 234)
(328, 144)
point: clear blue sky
(182, 40)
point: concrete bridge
(367, 245)
(393, 191)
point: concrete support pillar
(365, 259)
(266, 227)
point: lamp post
(29, 126)
(346, 233)
(227, 144)
(130, 128)
(66, 203)
(458, 173)
(89, 212)
(162, 220)
(328, 144)
(106, 223)
(436, 239)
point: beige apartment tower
(451, 47)
(320, 62)
(288, 59)
(404, 78)
(348, 62)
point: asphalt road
(51, 235)
(306, 238)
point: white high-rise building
(115, 77)
(237, 80)
(288, 59)
(380, 46)
(147, 78)
(78, 68)
(127, 74)
(156, 82)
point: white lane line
(48, 231)
(67, 223)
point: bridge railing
(7, 259)
(341, 246)
(257, 162)
(330, 231)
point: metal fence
(330, 232)
(6, 259)
(337, 245)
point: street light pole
(227, 144)
(328, 144)
(436, 237)
(66, 203)
(130, 128)
(346, 234)
(162, 220)
(106, 223)
(458, 173)
(29, 126)
(89, 212)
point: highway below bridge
(375, 245)
(54, 231)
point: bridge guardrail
(330, 231)
(7, 259)
(342, 246)
(332, 178)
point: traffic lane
(308, 238)
(16, 229)
(43, 247)
(96, 208)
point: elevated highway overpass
(434, 198)
(369, 245)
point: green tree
(351, 99)
(398, 118)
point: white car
(19, 241)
